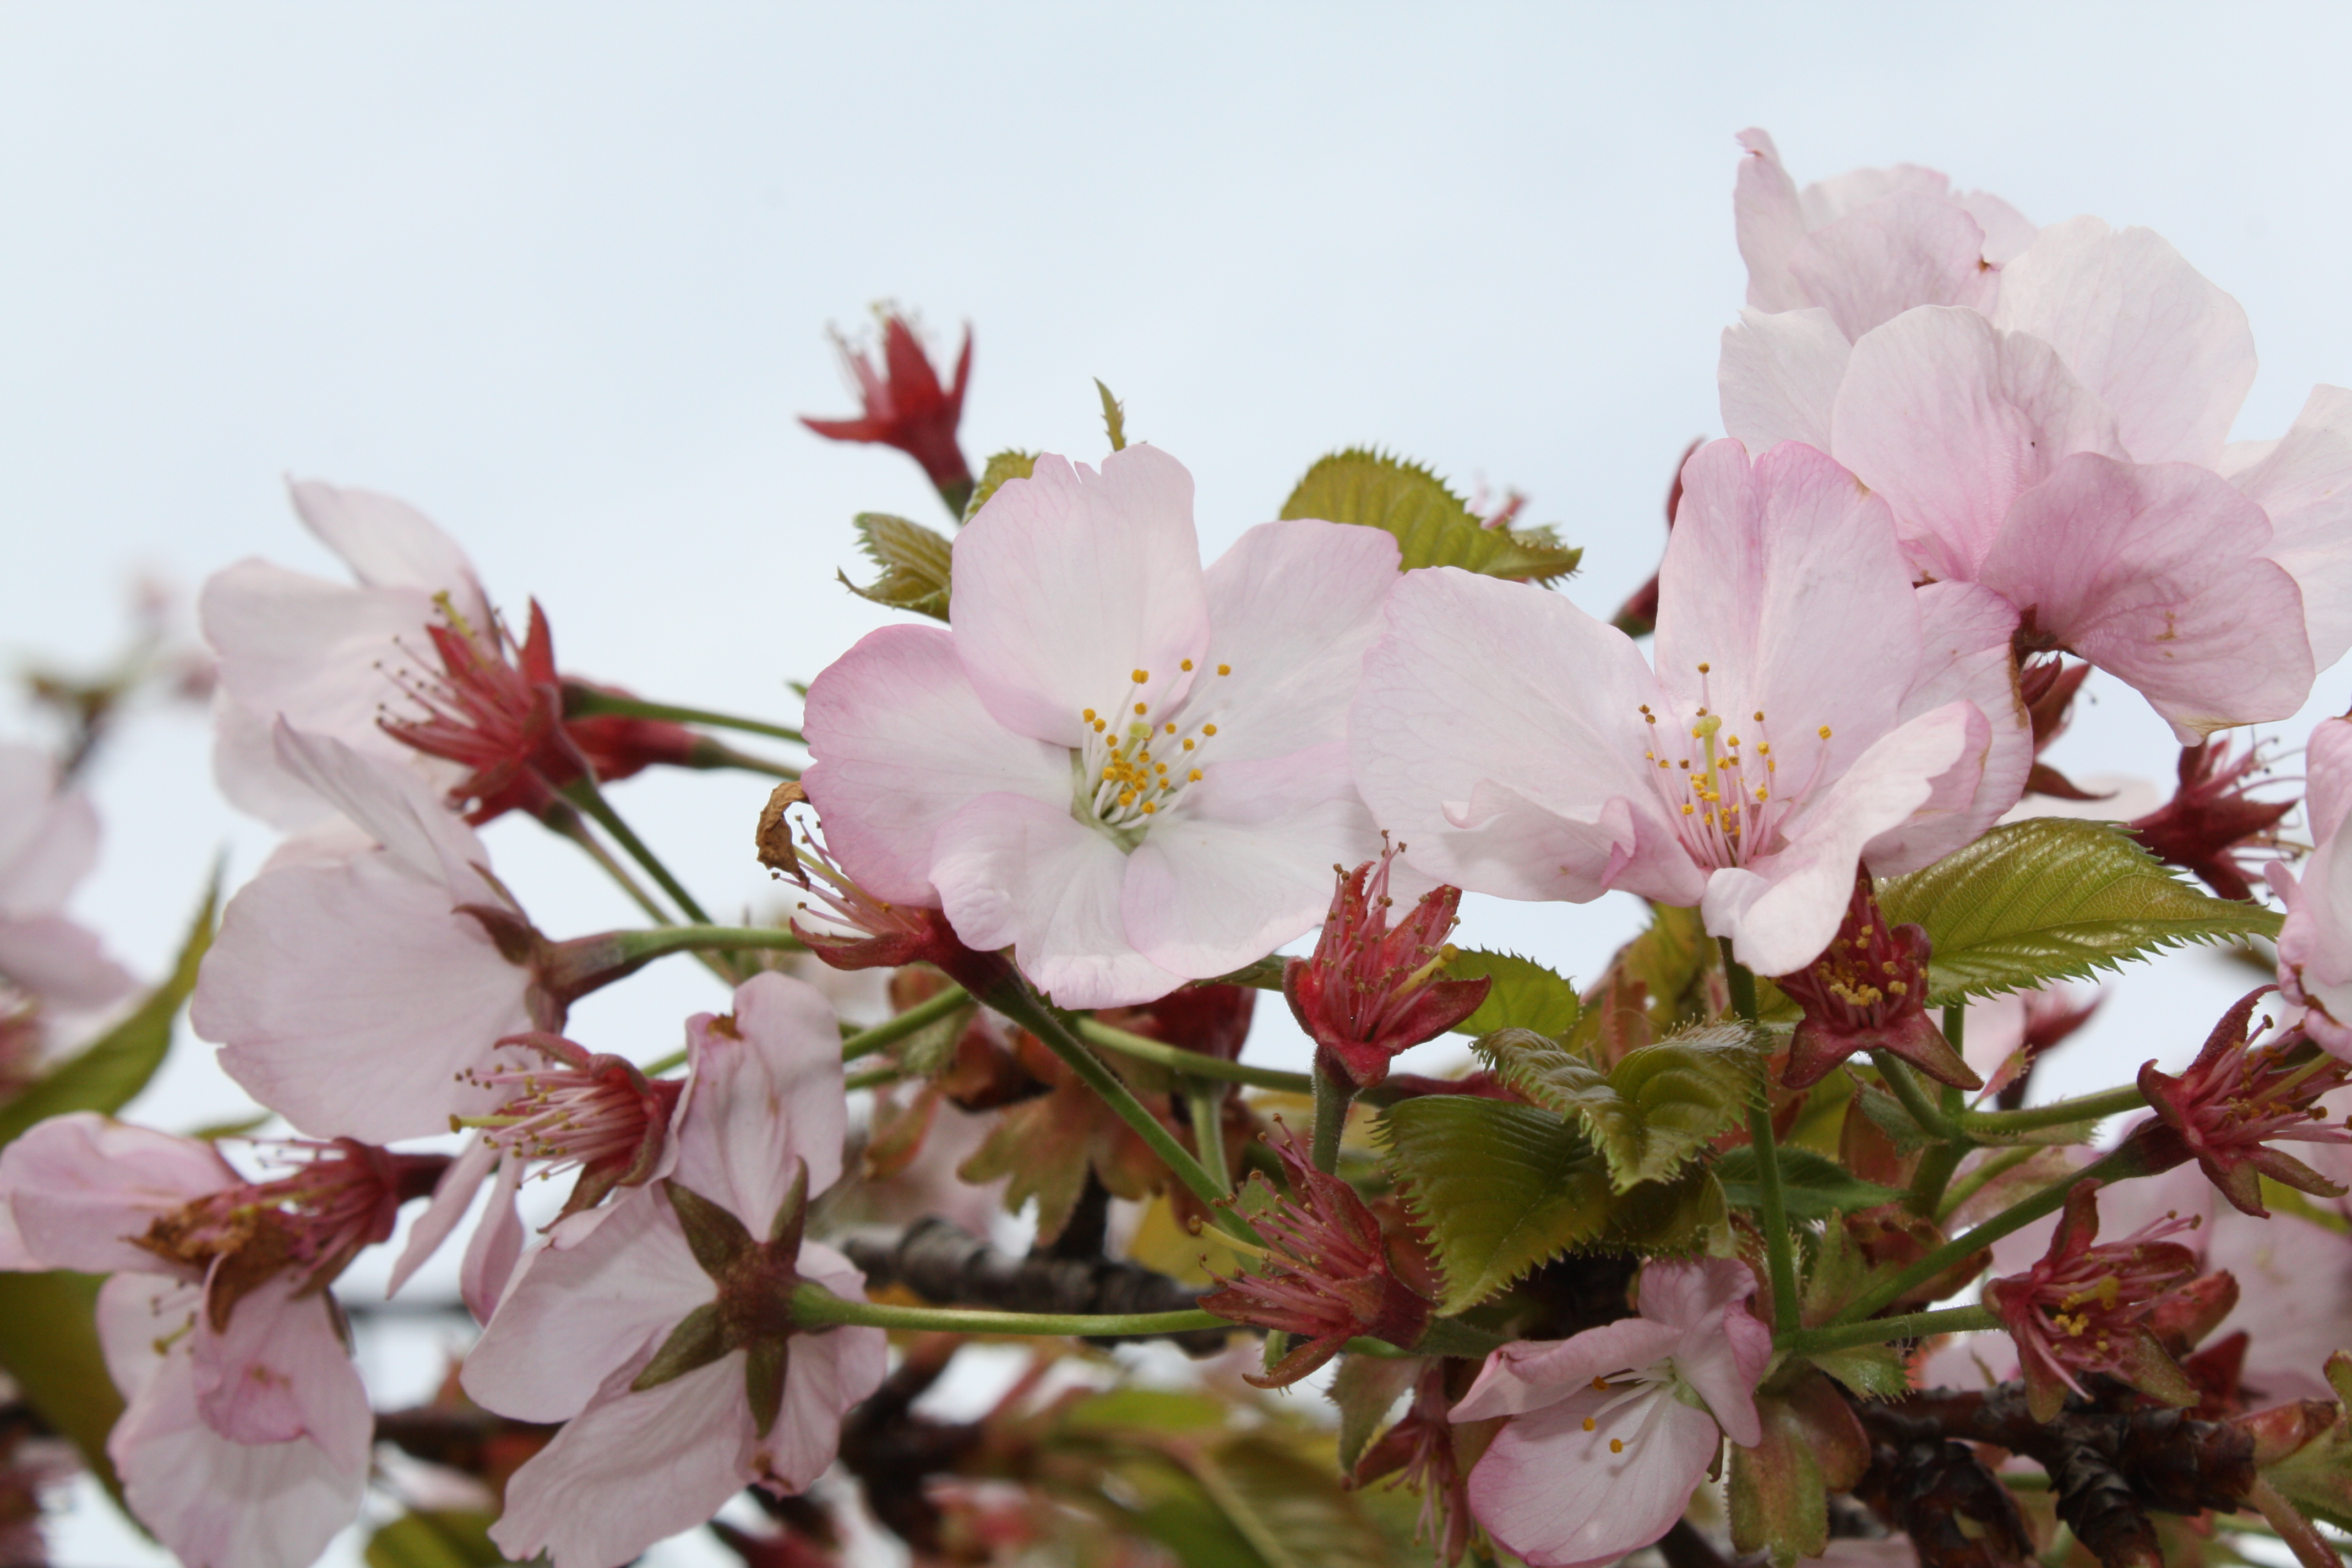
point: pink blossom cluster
(1957, 443)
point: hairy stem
(1935, 1173)
(1883, 1331)
(1332, 1094)
(1204, 1099)
(2057, 1113)
(1976, 1181)
(889, 1032)
(579, 700)
(560, 819)
(584, 793)
(816, 1307)
(1191, 1064)
(1914, 1100)
(1780, 1253)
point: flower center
(1136, 764)
(1720, 781)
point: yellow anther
(1703, 667)
(1186, 665)
(1825, 732)
(1098, 726)
(1590, 1423)
(1089, 715)
(1143, 708)
(1224, 669)
(1188, 745)
(1208, 729)
(1171, 729)
(1600, 1386)
(1617, 1445)
(1148, 808)
(1759, 715)
(1139, 675)
(1688, 808)
(1127, 797)
(1194, 776)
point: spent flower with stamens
(2090, 1308)
(906, 405)
(495, 708)
(1372, 989)
(578, 1111)
(1868, 992)
(2227, 1107)
(2213, 826)
(1327, 1277)
(1421, 1446)
(1611, 1431)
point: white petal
(2305, 482)
(1293, 608)
(767, 1093)
(1778, 377)
(388, 543)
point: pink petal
(62, 962)
(453, 1194)
(1782, 910)
(1950, 420)
(1784, 578)
(495, 1247)
(1827, 201)
(2151, 573)
(1723, 1363)
(2314, 944)
(2170, 354)
(2305, 482)
(1555, 1494)
(316, 654)
(827, 1374)
(1293, 608)
(388, 543)
(396, 809)
(1778, 377)
(631, 1469)
(48, 839)
(280, 1371)
(1691, 1293)
(1498, 734)
(574, 1313)
(2327, 777)
(1770, 223)
(1534, 1374)
(1907, 248)
(1965, 630)
(214, 1503)
(1017, 872)
(1244, 863)
(901, 743)
(1069, 581)
(2008, 232)
(246, 770)
(81, 1187)
(348, 1001)
(766, 1095)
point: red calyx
(1868, 992)
(2212, 828)
(1371, 990)
(906, 404)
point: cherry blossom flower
(1612, 1431)
(410, 665)
(2226, 1108)
(2314, 944)
(48, 842)
(1869, 244)
(659, 1327)
(1868, 992)
(213, 1500)
(1371, 989)
(2059, 437)
(906, 405)
(2087, 1307)
(1810, 712)
(1327, 1277)
(1129, 769)
(349, 992)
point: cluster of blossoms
(1072, 822)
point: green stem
(1265, 974)
(579, 700)
(1332, 1094)
(2057, 1113)
(814, 1307)
(1935, 1173)
(1780, 1253)
(1193, 1064)
(584, 793)
(2017, 1217)
(643, 944)
(874, 1077)
(1016, 1001)
(1883, 1331)
(710, 753)
(1204, 1099)
(1976, 1181)
(1955, 1025)
(1914, 1100)
(923, 1013)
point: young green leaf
(1010, 464)
(915, 564)
(1114, 418)
(1525, 996)
(1653, 1112)
(49, 1347)
(2053, 900)
(1289, 1509)
(1504, 1188)
(435, 1538)
(1365, 1389)
(1814, 1186)
(1431, 524)
(105, 1074)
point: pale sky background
(560, 276)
